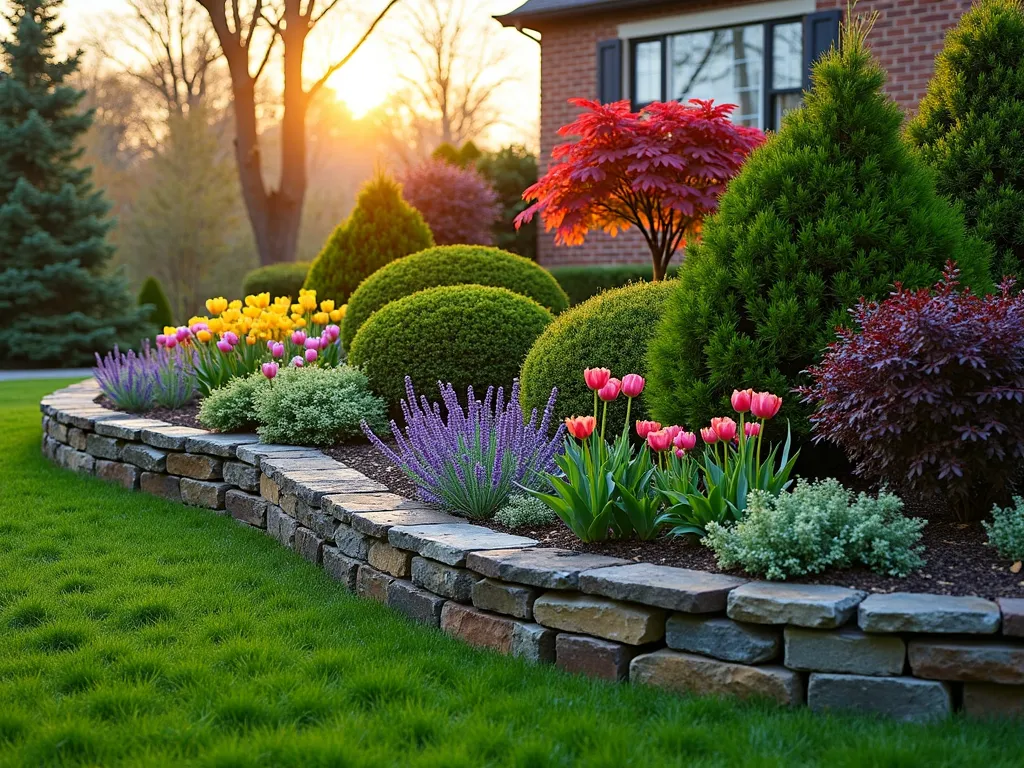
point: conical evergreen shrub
(58, 302)
(381, 228)
(970, 126)
(152, 293)
(834, 207)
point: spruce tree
(835, 206)
(58, 303)
(970, 126)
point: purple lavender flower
(127, 379)
(468, 460)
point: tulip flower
(270, 345)
(311, 355)
(277, 349)
(765, 405)
(708, 435)
(313, 342)
(751, 429)
(182, 333)
(161, 340)
(224, 346)
(685, 441)
(298, 362)
(299, 338)
(660, 440)
(644, 428)
(610, 391)
(171, 342)
(741, 400)
(724, 427)
(596, 378)
(325, 341)
(270, 370)
(333, 332)
(581, 427)
(674, 430)
(632, 385)
(203, 335)
(680, 453)
(230, 337)
(199, 326)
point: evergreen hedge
(834, 207)
(581, 281)
(450, 265)
(970, 126)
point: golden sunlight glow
(364, 83)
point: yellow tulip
(252, 312)
(321, 318)
(250, 340)
(170, 330)
(300, 323)
(327, 305)
(336, 315)
(235, 304)
(217, 305)
(217, 325)
(204, 336)
(308, 302)
(296, 309)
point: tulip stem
(629, 404)
(604, 418)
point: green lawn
(134, 631)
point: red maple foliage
(661, 170)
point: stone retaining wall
(908, 656)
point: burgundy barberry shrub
(928, 394)
(457, 203)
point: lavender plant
(128, 379)
(175, 376)
(468, 460)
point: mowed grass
(135, 631)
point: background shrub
(382, 228)
(450, 265)
(832, 208)
(458, 203)
(463, 335)
(611, 330)
(819, 526)
(232, 408)
(277, 279)
(1006, 531)
(927, 394)
(318, 406)
(152, 293)
(510, 170)
(580, 282)
(968, 126)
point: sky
(375, 71)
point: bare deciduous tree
(248, 31)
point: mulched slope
(958, 560)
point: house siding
(905, 39)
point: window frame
(768, 92)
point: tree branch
(338, 65)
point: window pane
(648, 72)
(783, 103)
(723, 64)
(787, 55)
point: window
(758, 67)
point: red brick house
(753, 53)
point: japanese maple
(928, 393)
(660, 170)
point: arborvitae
(152, 293)
(381, 228)
(970, 126)
(834, 207)
(58, 304)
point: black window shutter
(609, 71)
(821, 30)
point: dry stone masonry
(908, 656)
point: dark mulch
(186, 416)
(958, 560)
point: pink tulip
(751, 429)
(299, 338)
(313, 342)
(673, 430)
(197, 327)
(644, 428)
(333, 332)
(741, 400)
(685, 441)
(161, 340)
(171, 342)
(660, 440)
(224, 346)
(765, 405)
(270, 344)
(596, 378)
(325, 341)
(680, 453)
(632, 384)
(277, 349)
(270, 370)
(610, 391)
(230, 337)
(298, 362)
(708, 435)
(311, 355)
(182, 333)
(724, 427)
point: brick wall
(906, 38)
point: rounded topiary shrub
(834, 207)
(451, 265)
(284, 279)
(152, 293)
(612, 331)
(459, 334)
(382, 228)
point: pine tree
(970, 126)
(834, 207)
(58, 304)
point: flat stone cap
(377, 524)
(219, 444)
(170, 437)
(450, 544)
(543, 567)
(805, 605)
(252, 453)
(677, 589)
(921, 612)
(342, 506)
